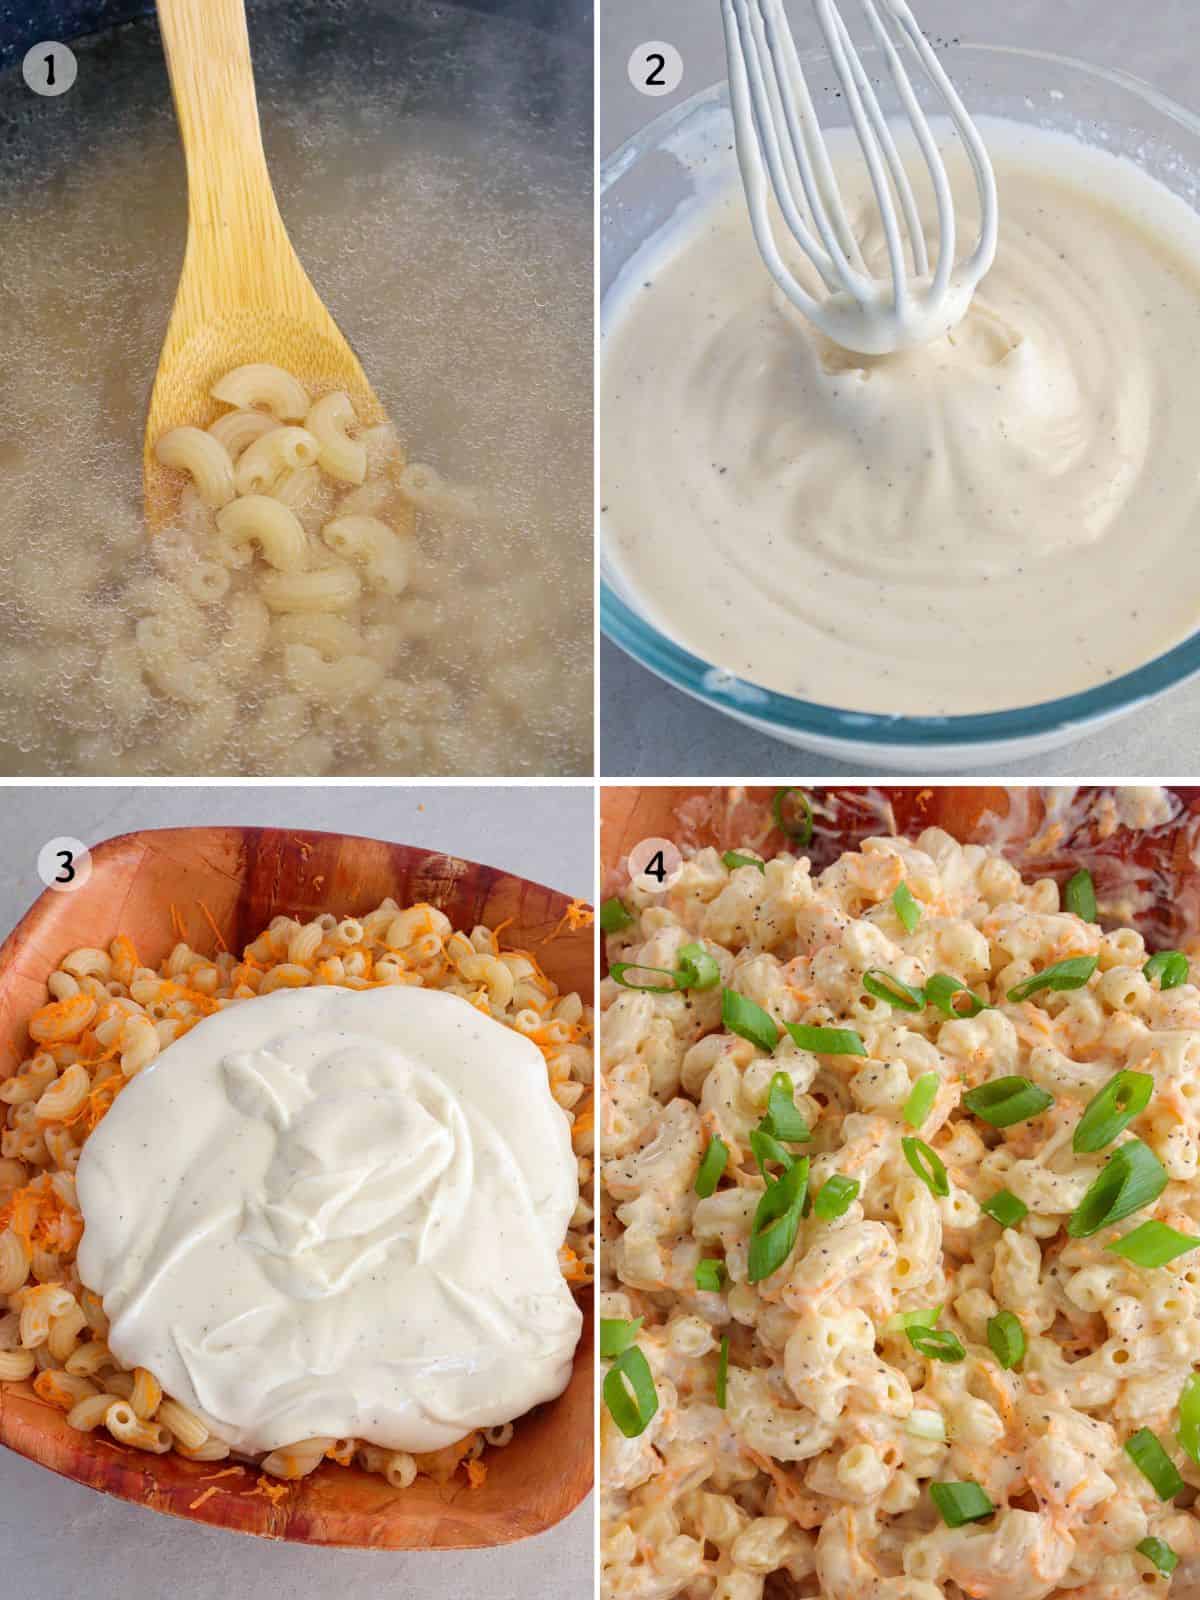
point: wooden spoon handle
(230, 200)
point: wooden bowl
(243, 877)
(1141, 846)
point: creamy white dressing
(330, 1212)
(1001, 517)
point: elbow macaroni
(106, 1018)
(813, 1477)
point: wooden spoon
(243, 295)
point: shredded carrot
(274, 1492)
(211, 920)
(37, 1215)
(98, 1103)
(205, 1494)
(577, 915)
(497, 931)
(227, 1472)
(477, 1473)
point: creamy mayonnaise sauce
(1004, 516)
(326, 1212)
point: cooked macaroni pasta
(815, 1405)
(106, 1018)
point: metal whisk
(781, 149)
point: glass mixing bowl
(643, 184)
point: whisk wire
(782, 151)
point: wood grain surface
(243, 295)
(242, 877)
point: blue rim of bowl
(725, 692)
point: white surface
(648, 728)
(59, 1541)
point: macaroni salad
(107, 1017)
(900, 1205)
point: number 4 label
(655, 865)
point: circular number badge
(655, 865)
(656, 68)
(50, 68)
(64, 864)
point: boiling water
(433, 168)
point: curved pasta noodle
(193, 451)
(279, 450)
(330, 419)
(337, 680)
(327, 589)
(260, 519)
(386, 557)
(259, 384)
(238, 429)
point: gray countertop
(650, 729)
(58, 1540)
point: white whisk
(781, 148)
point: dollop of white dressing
(327, 1211)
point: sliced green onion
(1132, 1177)
(960, 1503)
(697, 968)
(765, 1147)
(782, 1118)
(827, 1041)
(777, 1222)
(884, 986)
(1005, 1101)
(723, 1372)
(927, 1165)
(801, 828)
(617, 1335)
(906, 908)
(902, 1321)
(1155, 1465)
(1153, 1244)
(1063, 975)
(619, 968)
(1110, 1112)
(949, 994)
(920, 1102)
(743, 1017)
(835, 1197)
(710, 1275)
(711, 1167)
(1170, 967)
(629, 1392)
(926, 1424)
(1005, 1208)
(1159, 1552)
(734, 859)
(936, 1343)
(1188, 1431)
(1080, 897)
(1007, 1339)
(614, 917)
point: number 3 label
(64, 864)
(656, 68)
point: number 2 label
(656, 68)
